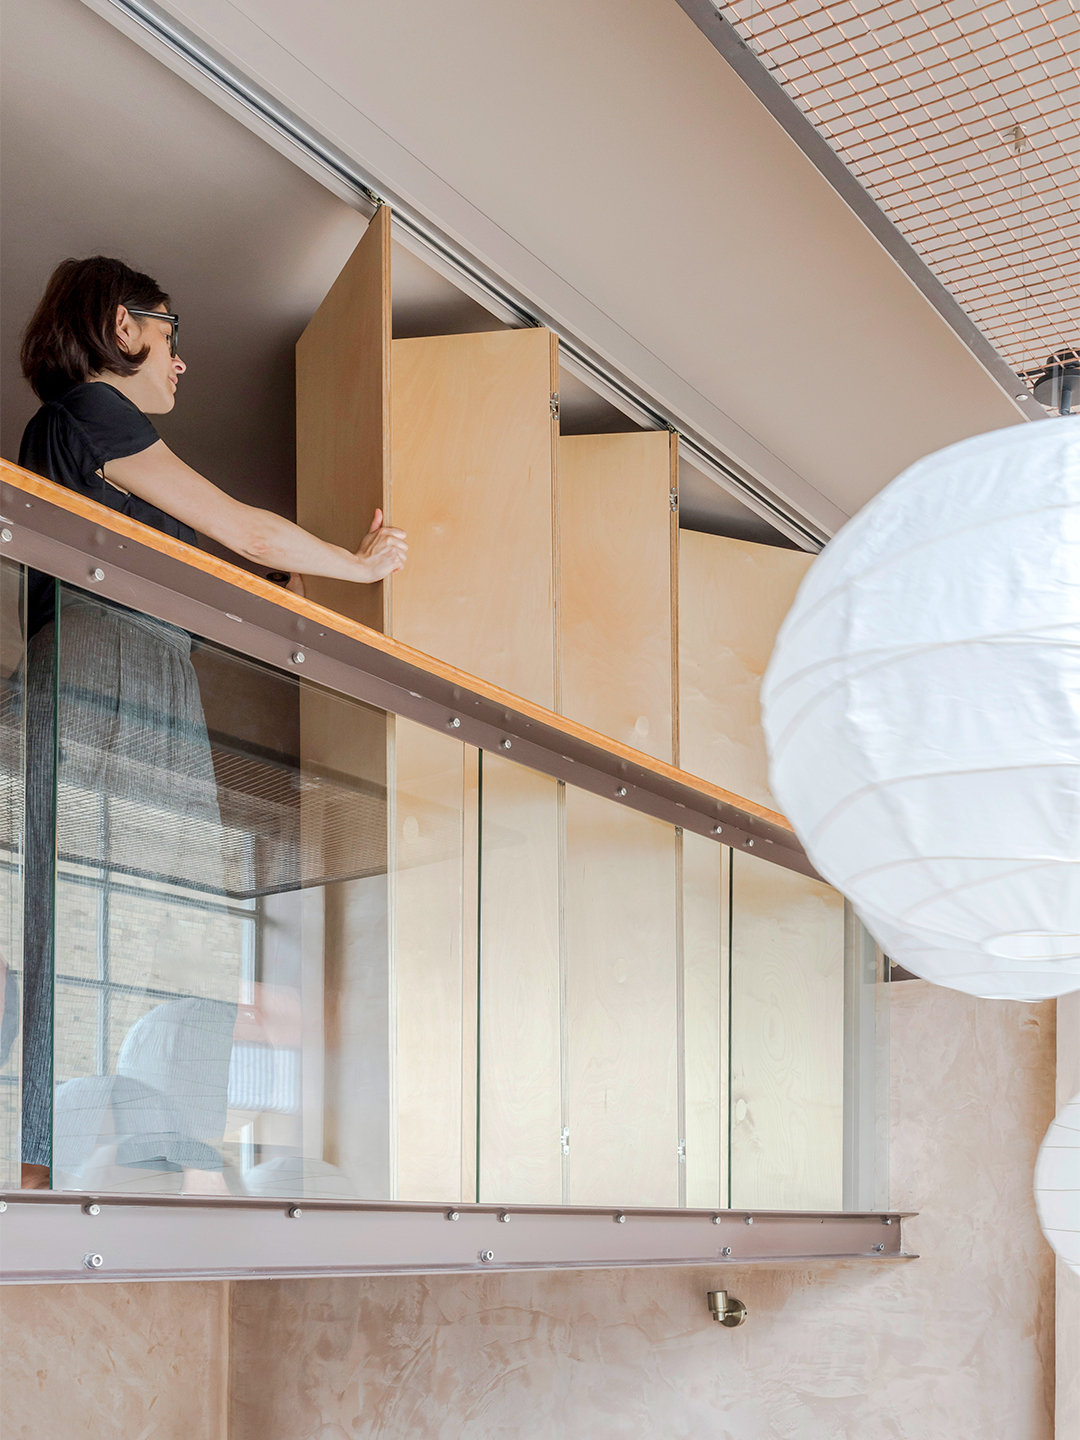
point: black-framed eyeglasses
(174, 321)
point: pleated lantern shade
(1057, 1184)
(922, 713)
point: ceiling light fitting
(1057, 385)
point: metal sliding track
(646, 408)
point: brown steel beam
(77, 540)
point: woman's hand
(162, 479)
(383, 549)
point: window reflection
(280, 943)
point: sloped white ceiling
(601, 151)
(102, 149)
(105, 151)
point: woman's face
(153, 388)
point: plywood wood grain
(342, 934)
(343, 416)
(733, 596)
(705, 873)
(787, 1039)
(473, 485)
(615, 586)
(621, 990)
(431, 958)
(520, 1095)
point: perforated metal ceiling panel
(962, 120)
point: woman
(100, 353)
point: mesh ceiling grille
(962, 120)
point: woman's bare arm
(161, 478)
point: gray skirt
(119, 777)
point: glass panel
(12, 747)
(435, 886)
(521, 1110)
(230, 1017)
(579, 989)
(621, 1005)
(306, 949)
(706, 956)
(866, 1070)
(787, 1039)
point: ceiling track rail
(371, 193)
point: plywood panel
(343, 416)
(787, 1039)
(474, 462)
(705, 872)
(520, 1090)
(621, 1005)
(431, 957)
(733, 596)
(344, 955)
(615, 586)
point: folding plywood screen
(561, 972)
(343, 416)
(621, 1006)
(787, 1039)
(546, 565)
(617, 538)
(520, 1056)
(781, 934)
(733, 596)
(473, 484)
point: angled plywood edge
(474, 463)
(343, 416)
(616, 575)
(733, 596)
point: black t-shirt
(70, 440)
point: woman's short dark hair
(72, 334)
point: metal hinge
(555, 404)
(673, 498)
(566, 1140)
(682, 1152)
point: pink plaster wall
(114, 1362)
(957, 1345)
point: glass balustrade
(264, 940)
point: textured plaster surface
(957, 1345)
(114, 1362)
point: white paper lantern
(922, 712)
(1057, 1184)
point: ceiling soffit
(962, 121)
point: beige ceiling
(602, 156)
(246, 243)
(962, 120)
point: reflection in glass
(521, 1002)
(622, 1005)
(787, 1039)
(706, 896)
(288, 945)
(216, 832)
(12, 746)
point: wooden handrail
(30, 485)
